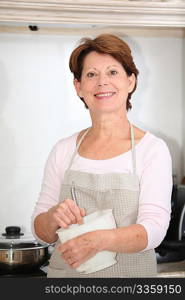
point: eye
(90, 74)
(113, 72)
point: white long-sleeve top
(153, 167)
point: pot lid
(14, 235)
(13, 238)
(12, 232)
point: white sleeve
(155, 194)
(50, 188)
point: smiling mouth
(104, 95)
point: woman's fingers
(79, 249)
(82, 211)
(76, 211)
(60, 222)
(67, 213)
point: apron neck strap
(133, 148)
(76, 149)
(132, 145)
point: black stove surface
(36, 273)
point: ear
(77, 85)
(132, 81)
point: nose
(102, 80)
(101, 84)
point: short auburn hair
(105, 44)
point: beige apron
(119, 191)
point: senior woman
(113, 164)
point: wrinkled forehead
(96, 60)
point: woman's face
(104, 84)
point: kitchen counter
(171, 269)
(166, 270)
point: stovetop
(37, 273)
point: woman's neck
(110, 126)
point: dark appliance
(172, 248)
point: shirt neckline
(114, 157)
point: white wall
(38, 106)
(158, 102)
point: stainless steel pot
(20, 254)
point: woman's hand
(79, 249)
(65, 214)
